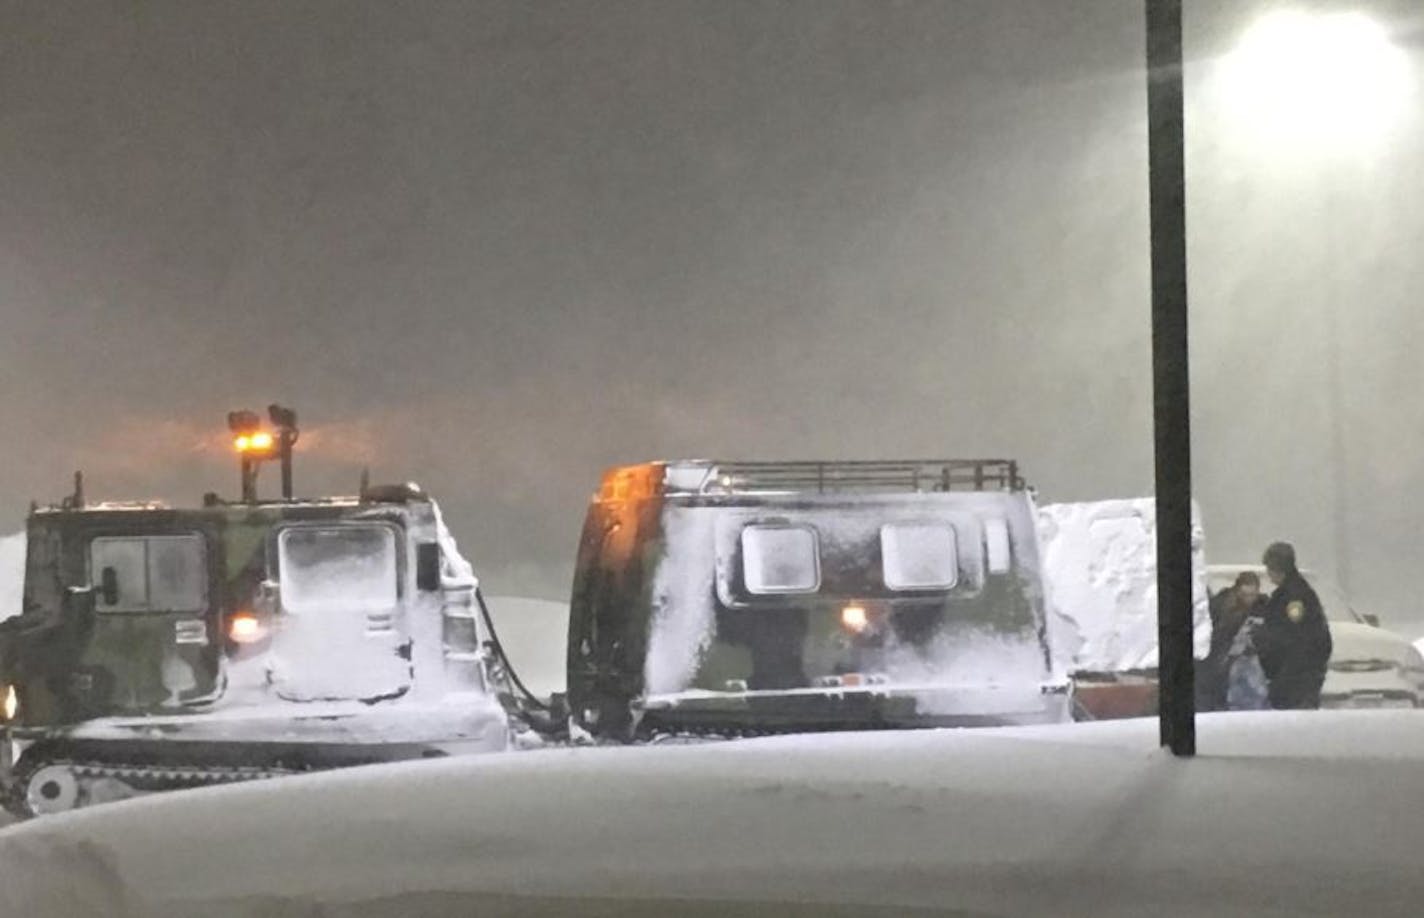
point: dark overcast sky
(495, 247)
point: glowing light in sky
(1317, 82)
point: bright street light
(1301, 89)
(1328, 82)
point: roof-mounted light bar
(255, 445)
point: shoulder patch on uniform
(1295, 611)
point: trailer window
(919, 556)
(152, 573)
(780, 559)
(337, 566)
(998, 553)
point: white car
(1370, 667)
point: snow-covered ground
(1281, 815)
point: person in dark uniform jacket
(1294, 639)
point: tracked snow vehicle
(747, 597)
(161, 648)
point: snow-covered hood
(1373, 664)
(1356, 641)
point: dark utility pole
(1170, 378)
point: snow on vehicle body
(734, 597)
(160, 648)
(1100, 566)
(1100, 571)
(1099, 561)
(1370, 666)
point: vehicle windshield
(348, 566)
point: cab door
(342, 632)
(152, 645)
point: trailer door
(342, 632)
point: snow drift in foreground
(12, 574)
(1283, 814)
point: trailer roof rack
(882, 475)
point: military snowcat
(715, 597)
(162, 648)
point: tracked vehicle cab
(735, 597)
(164, 647)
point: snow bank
(12, 574)
(1283, 814)
(1100, 571)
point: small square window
(151, 573)
(780, 559)
(919, 556)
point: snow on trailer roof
(1283, 813)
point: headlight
(245, 628)
(1363, 666)
(11, 705)
(855, 619)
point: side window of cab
(165, 573)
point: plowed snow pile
(1283, 814)
(1100, 568)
